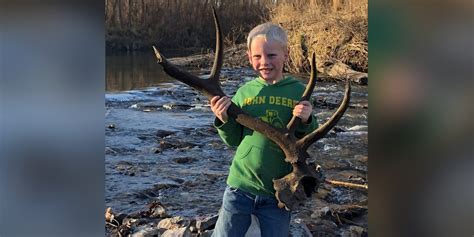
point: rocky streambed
(166, 166)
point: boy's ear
(249, 55)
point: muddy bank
(164, 159)
(234, 57)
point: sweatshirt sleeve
(304, 129)
(231, 131)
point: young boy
(274, 98)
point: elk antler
(295, 187)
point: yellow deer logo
(272, 118)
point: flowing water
(160, 143)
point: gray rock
(176, 106)
(359, 128)
(319, 213)
(147, 232)
(173, 223)
(157, 210)
(179, 232)
(184, 160)
(299, 229)
(325, 228)
(174, 144)
(206, 233)
(166, 184)
(354, 231)
(124, 165)
(206, 223)
(163, 133)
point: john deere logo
(272, 118)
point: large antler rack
(304, 179)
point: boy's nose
(264, 60)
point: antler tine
(309, 139)
(209, 87)
(295, 121)
(216, 67)
(312, 79)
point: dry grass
(133, 25)
(335, 31)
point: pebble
(147, 232)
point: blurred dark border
(52, 118)
(421, 165)
(420, 125)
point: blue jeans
(237, 206)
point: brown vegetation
(336, 30)
(134, 25)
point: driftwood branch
(342, 71)
(346, 184)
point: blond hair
(268, 31)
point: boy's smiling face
(268, 58)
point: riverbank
(236, 57)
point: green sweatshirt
(258, 160)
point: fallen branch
(346, 184)
(342, 71)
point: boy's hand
(219, 107)
(303, 110)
